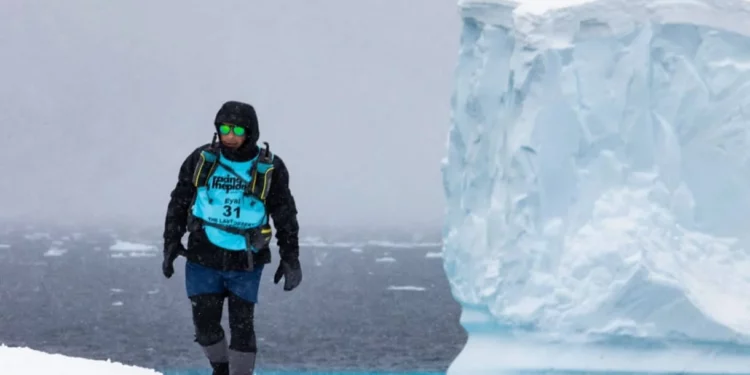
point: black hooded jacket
(280, 205)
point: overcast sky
(100, 102)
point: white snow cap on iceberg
(25, 361)
(730, 15)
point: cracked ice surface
(598, 183)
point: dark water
(88, 303)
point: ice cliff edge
(598, 185)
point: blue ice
(598, 186)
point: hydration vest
(230, 200)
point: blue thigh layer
(203, 280)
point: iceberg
(26, 361)
(597, 186)
(131, 246)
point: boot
(241, 363)
(220, 368)
(218, 356)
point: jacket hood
(240, 114)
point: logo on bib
(228, 183)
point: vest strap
(260, 188)
(205, 168)
(255, 238)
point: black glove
(171, 252)
(291, 271)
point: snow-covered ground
(25, 361)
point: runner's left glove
(291, 271)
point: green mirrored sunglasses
(224, 129)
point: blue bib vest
(230, 200)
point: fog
(100, 102)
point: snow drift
(25, 361)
